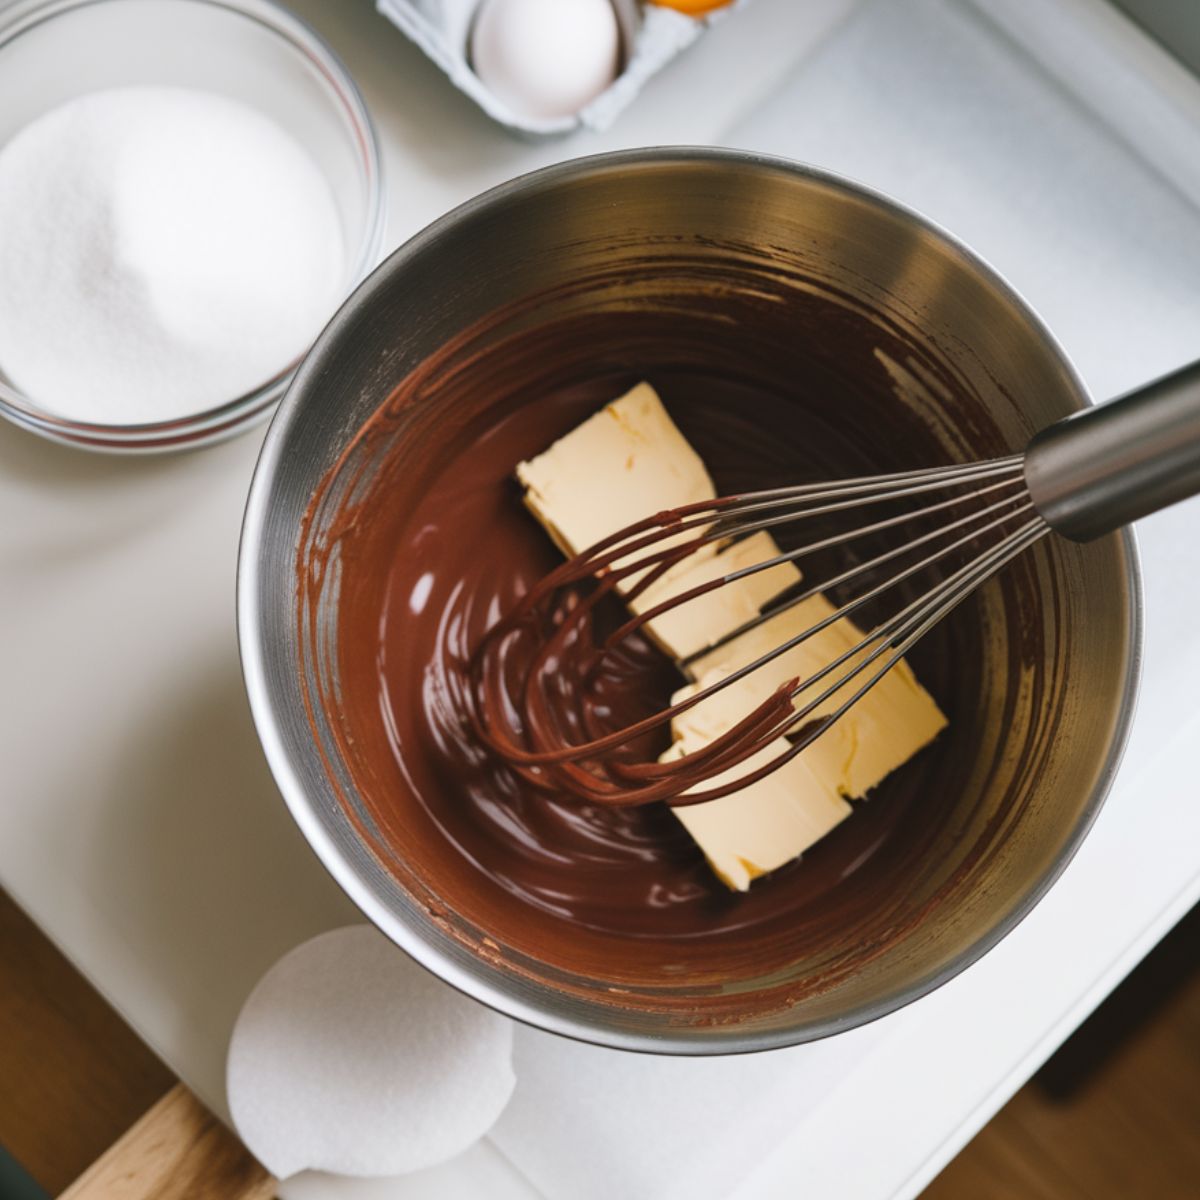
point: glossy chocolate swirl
(539, 688)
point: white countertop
(139, 824)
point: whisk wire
(526, 728)
(611, 741)
(900, 633)
(1029, 534)
(852, 572)
(724, 518)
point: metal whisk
(537, 674)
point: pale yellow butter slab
(627, 462)
(881, 732)
(764, 825)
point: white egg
(545, 58)
(348, 1057)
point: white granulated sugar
(162, 251)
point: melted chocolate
(634, 873)
(433, 545)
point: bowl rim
(478, 982)
(230, 417)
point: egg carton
(650, 37)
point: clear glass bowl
(248, 50)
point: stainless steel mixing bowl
(1059, 638)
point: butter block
(696, 624)
(881, 732)
(627, 462)
(630, 461)
(890, 724)
(765, 825)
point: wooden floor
(75, 1077)
(1115, 1115)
